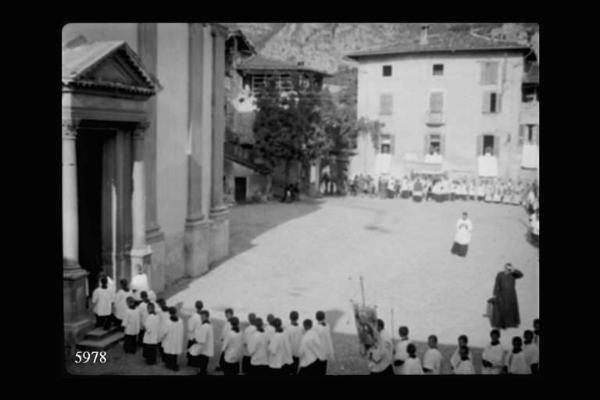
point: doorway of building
(89, 147)
(240, 189)
(489, 144)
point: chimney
(424, 32)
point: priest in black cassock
(505, 312)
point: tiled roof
(259, 62)
(80, 56)
(533, 75)
(447, 42)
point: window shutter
(536, 134)
(436, 102)
(498, 102)
(479, 145)
(442, 145)
(392, 144)
(385, 104)
(486, 101)
(496, 145)
(427, 144)
(522, 134)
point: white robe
(412, 366)
(400, 353)
(257, 347)
(517, 364)
(192, 324)
(495, 355)
(139, 283)
(311, 348)
(233, 345)
(131, 322)
(103, 300)
(464, 368)
(295, 337)
(277, 351)
(455, 359)
(247, 335)
(205, 342)
(432, 360)
(326, 342)
(152, 326)
(463, 231)
(121, 303)
(532, 354)
(172, 342)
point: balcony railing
(435, 118)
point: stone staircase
(100, 339)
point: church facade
(143, 126)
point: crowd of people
(521, 358)
(273, 348)
(263, 347)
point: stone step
(102, 343)
(99, 333)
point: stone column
(76, 318)
(155, 238)
(140, 251)
(219, 213)
(196, 237)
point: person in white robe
(277, 350)
(193, 323)
(163, 316)
(516, 364)
(204, 346)
(258, 349)
(432, 360)
(463, 341)
(381, 355)
(143, 312)
(400, 353)
(102, 301)
(173, 337)
(131, 325)
(247, 335)
(139, 283)
(464, 365)
(224, 332)
(324, 332)
(412, 365)
(493, 355)
(121, 302)
(462, 238)
(531, 352)
(151, 335)
(232, 348)
(294, 333)
(311, 351)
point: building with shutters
(445, 101)
(143, 125)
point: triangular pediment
(106, 66)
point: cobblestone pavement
(309, 256)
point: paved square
(309, 256)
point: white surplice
(152, 327)
(103, 300)
(432, 360)
(311, 348)
(173, 335)
(233, 345)
(326, 342)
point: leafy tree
(288, 125)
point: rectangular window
(436, 102)
(491, 102)
(387, 70)
(385, 104)
(438, 69)
(386, 144)
(489, 143)
(489, 72)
